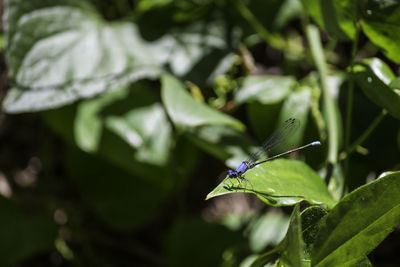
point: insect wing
(278, 138)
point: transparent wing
(278, 138)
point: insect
(279, 137)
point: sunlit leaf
(131, 113)
(67, 51)
(61, 51)
(115, 127)
(280, 182)
(146, 129)
(358, 223)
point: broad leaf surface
(71, 53)
(358, 223)
(186, 112)
(374, 78)
(280, 182)
(59, 52)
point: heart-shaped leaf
(71, 53)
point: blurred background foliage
(118, 117)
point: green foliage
(141, 102)
(358, 223)
(185, 112)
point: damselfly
(278, 138)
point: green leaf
(374, 77)
(186, 112)
(268, 230)
(201, 45)
(382, 26)
(22, 236)
(279, 182)
(60, 52)
(134, 115)
(293, 244)
(88, 123)
(147, 130)
(122, 135)
(358, 223)
(264, 89)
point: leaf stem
(350, 97)
(365, 135)
(273, 40)
(314, 41)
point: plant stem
(273, 40)
(365, 135)
(314, 41)
(350, 96)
